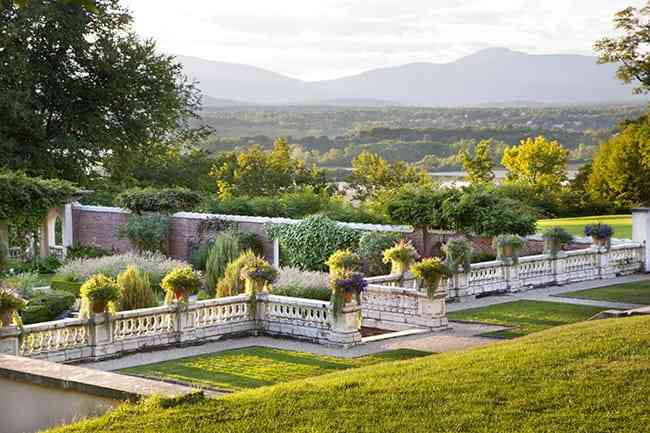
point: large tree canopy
(79, 91)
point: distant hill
(495, 76)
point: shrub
(225, 249)
(86, 252)
(155, 265)
(508, 247)
(371, 248)
(10, 302)
(309, 243)
(4, 254)
(343, 261)
(232, 283)
(167, 200)
(599, 231)
(458, 253)
(181, 283)
(400, 256)
(66, 283)
(135, 290)
(146, 232)
(247, 241)
(22, 283)
(554, 239)
(98, 292)
(297, 291)
(44, 265)
(47, 306)
(431, 271)
(293, 277)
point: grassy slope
(526, 316)
(632, 293)
(588, 377)
(253, 367)
(622, 224)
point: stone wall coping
(301, 302)
(94, 382)
(219, 301)
(491, 264)
(250, 219)
(55, 324)
(396, 290)
(144, 312)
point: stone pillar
(276, 254)
(68, 228)
(9, 340)
(4, 232)
(101, 336)
(185, 322)
(346, 327)
(641, 232)
(512, 276)
(559, 269)
(44, 240)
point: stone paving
(459, 336)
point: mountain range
(495, 76)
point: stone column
(185, 322)
(9, 340)
(68, 228)
(512, 276)
(4, 232)
(276, 254)
(101, 336)
(641, 232)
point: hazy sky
(318, 39)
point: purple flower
(355, 283)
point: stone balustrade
(533, 271)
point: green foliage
(167, 200)
(47, 306)
(45, 265)
(4, 254)
(482, 210)
(182, 282)
(400, 256)
(458, 253)
(98, 292)
(79, 251)
(309, 243)
(147, 232)
(479, 167)
(537, 162)
(232, 283)
(22, 282)
(66, 283)
(73, 116)
(226, 248)
(371, 173)
(342, 261)
(621, 167)
(258, 173)
(431, 271)
(554, 239)
(371, 248)
(417, 205)
(508, 247)
(135, 290)
(297, 291)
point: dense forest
(333, 136)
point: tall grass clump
(226, 248)
(135, 290)
(302, 284)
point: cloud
(332, 38)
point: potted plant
(98, 292)
(343, 261)
(508, 247)
(351, 285)
(258, 275)
(554, 239)
(431, 271)
(181, 283)
(401, 256)
(458, 254)
(601, 234)
(10, 303)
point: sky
(324, 39)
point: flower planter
(348, 297)
(99, 307)
(180, 294)
(6, 318)
(600, 242)
(255, 285)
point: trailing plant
(431, 271)
(10, 302)
(181, 283)
(45, 306)
(508, 247)
(148, 232)
(599, 231)
(343, 261)
(258, 275)
(97, 293)
(135, 290)
(308, 244)
(458, 254)
(232, 283)
(371, 248)
(400, 256)
(225, 249)
(166, 200)
(554, 239)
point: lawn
(587, 377)
(253, 367)
(525, 317)
(622, 224)
(631, 293)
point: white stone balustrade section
(62, 339)
(220, 311)
(147, 322)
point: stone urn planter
(180, 284)
(508, 247)
(431, 271)
(600, 234)
(10, 303)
